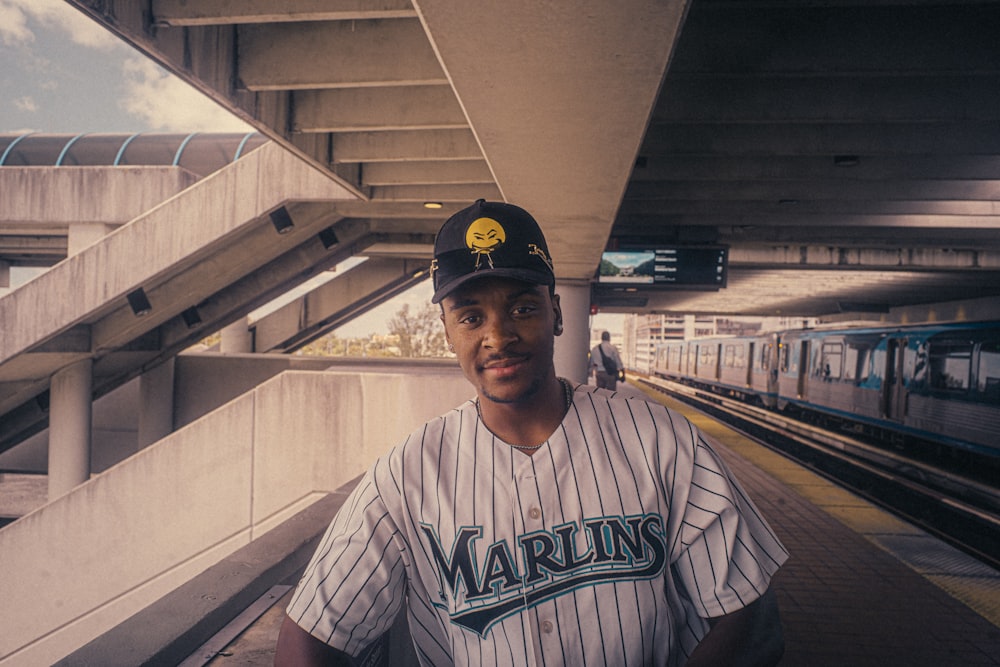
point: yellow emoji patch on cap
(484, 236)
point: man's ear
(557, 326)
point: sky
(61, 72)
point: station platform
(860, 587)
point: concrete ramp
(330, 305)
(181, 270)
(96, 556)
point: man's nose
(499, 332)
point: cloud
(26, 103)
(13, 24)
(16, 16)
(167, 103)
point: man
(540, 523)
(606, 363)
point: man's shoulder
(449, 421)
(625, 392)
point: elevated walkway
(157, 284)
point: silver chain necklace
(568, 393)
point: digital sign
(695, 267)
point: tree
(420, 332)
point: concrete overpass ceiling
(805, 136)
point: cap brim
(525, 275)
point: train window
(989, 371)
(705, 355)
(765, 356)
(786, 357)
(950, 365)
(830, 361)
(864, 364)
(733, 356)
(851, 358)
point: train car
(671, 360)
(764, 369)
(743, 367)
(937, 382)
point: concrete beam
(380, 109)
(823, 139)
(820, 189)
(599, 64)
(28, 207)
(910, 259)
(651, 209)
(212, 283)
(849, 237)
(458, 144)
(336, 54)
(222, 12)
(833, 98)
(33, 250)
(463, 193)
(791, 218)
(866, 167)
(336, 302)
(427, 173)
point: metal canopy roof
(846, 152)
(199, 153)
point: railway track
(962, 511)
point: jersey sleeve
(353, 588)
(726, 553)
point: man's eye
(468, 319)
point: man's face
(503, 332)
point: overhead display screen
(680, 266)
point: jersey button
(535, 513)
(547, 627)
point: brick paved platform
(862, 587)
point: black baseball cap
(489, 239)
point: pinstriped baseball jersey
(609, 546)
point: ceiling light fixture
(281, 220)
(328, 238)
(139, 302)
(433, 204)
(191, 317)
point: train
(932, 383)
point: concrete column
(4, 274)
(236, 338)
(83, 234)
(574, 344)
(70, 419)
(156, 403)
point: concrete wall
(83, 563)
(112, 195)
(203, 381)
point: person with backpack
(606, 363)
